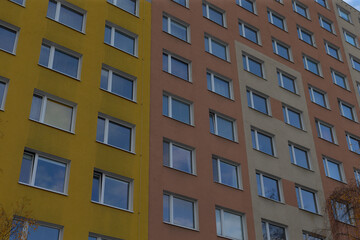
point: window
(216, 47)
(4, 84)
(268, 187)
(44, 171)
(318, 96)
(254, 66)
(262, 142)
(357, 176)
(176, 28)
(95, 236)
(343, 212)
(229, 224)
(129, 6)
(67, 14)
(20, 2)
(247, 4)
(60, 59)
(347, 110)
(118, 82)
(281, 49)
(222, 126)
(115, 132)
(120, 38)
(226, 172)
(332, 50)
(326, 24)
(112, 190)
(300, 9)
(43, 231)
(286, 81)
(306, 36)
(178, 156)
(273, 231)
(332, 169)
(9, 35)
(350, 38)
(257, 101)
(276, 20)
(310, 236)
(344, 14)
(312, 65)
(299, 156)
(179, 211)
(355, 63)
(249, 32)
(279, 1)
(184, 3)
(306, 199)
(176, 66)
(53, 111)
(325, 131)
(177, 109)
(339, 79)
(214, 14)
(322, 3)
(353, 143)
(292, 117)
(219, 84)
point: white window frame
(102, 237)
(276, 225)
(243, 222)
(103, 174)
(184, 101)
(281, 73)
(336, 48)
(220, 42)
(125, 32)
(234, 126)
(73, 7)
(347, 33)
(215, 8)
(352, 107)
(354, 59)
(171, 209)
(342, 10)
(236, 165)
(186, 3)
(36, 154)
(25, 228)
(117, 121)
(238, 2)
(267, 100)
(301, 5)
(325, 2)
(23, 4)
(12, 28)
(3, 100)
(348, 136)
(112, 71)
(256, 131)
(311, 236)
(247, 56)
(47, 96)
(287, 120)
(332, 129)
(333, 72)
(214, 74)
(186, 147)
(350, 212)
(306, 58)
(54, 46)
(324, 19)
(312, 97)
(278, 183)
(302, 201)
(136, 8)
(293, 145)
(340, 167)
(284, 45)
(271, 12)
(303, 30)
(181, 59)
(179, 22)
(244, 25)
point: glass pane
(165, 24)
(100, 130)
(36, 108)
(165, 105)
(347, 112)
(44, 55)
(119, 136)
(253, 139)
(229, 174)
(179, 69)
(232, 226)
(178, 30)
(245, 63)
(301, 158)
(43, 233)
(283, 51)
(122, 86)
(124, 42)
(181, 159)
(218, 222)
(208, 80)
(247, 5)
(71, 18)
(250, 34)
(356, 64)
(51, 9)
(333, 52)
(180, 111)
(66, 63)
(319, 98)
(350, 39)
(277, 21)
(218, 50)
(326, 133)
(183, 212)
(26, 168)
(294, 118)
(92, 238)
(300, 10)
(260, 103)
(96, 186)
(104, 79)
(265, 144)
(334, 170)
(288, 83)
(58, 115)
(276, 233)
(215, 169)
(206, 39)
(354, 145)
(308, 200)
(166, 208)
(166, 154)
(271, 189)
(225, 128)
(127, 5)
(264, 231)
(212, 123)
(339, 80)
(7, 39)
(116, 193)
(222, 87)
(204, 10)
(216, 16)
(21, 2)
(165, 62)
(50, 174)
(107, 37)
(181, 2)
(255, 67)
(312, 67)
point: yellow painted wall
(76, 212)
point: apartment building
(74, 116)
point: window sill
(225, 60)
(215, 22)
(234, 141)
(352, 120)
(333, 33)
(265, 153)
(52, 126)
(266, 114)
(12, 53)
(295, 93)
(135, 15)
(312, 45)
(289, 60)
(117, 95)
(179, 226)
(78, 79)
(272, 200)
(317, 214)
(262, 77)
(231, 99)
(301, 129)
(186, 80)
(328, 141)
(181, 171)
(318, 75)
(305, 17)
(116, 147)
(307, 169)
(44, 189)
(248, 10)
(18, 4)
(321, 106)
(82, 32)
(185, 41)
(132, 55)
(339, 181)
(257, 43)
(188, 124)
(285, 30)
(186, 7)
(106, 205)
(338, 59)
(231, 187)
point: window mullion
(170, 105)
(169, 63)
(169, 25)
(106, 130)
(207, 11)
(171, 154)
(210, 44)
(43, 109)
(287, 115)
(112, 37)
(51, 57)
(256, 139)
(301, 199)
(171, 206)
(293, 153)
(262, 185)
(267, 230)
(33, 175)
(57, 11)
(219, 170)
(215, 124)
(102, 180)
(212, 82)
(251, 99)
(110, 76)
(222, 220)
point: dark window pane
(50, 175)
(7, 39)
(183, 212)
(66, 63)
(71, 18)
(116, 193)
(119, 136)
(26, 168)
